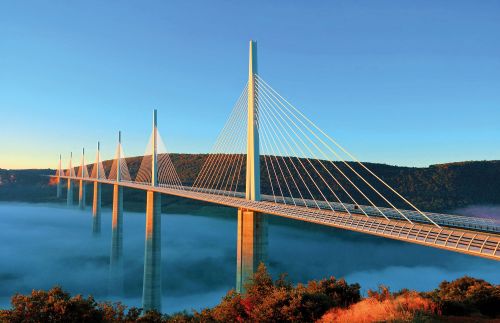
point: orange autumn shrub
(404, 307)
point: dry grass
(401, 308)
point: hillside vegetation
(266, 300)
(435, 188)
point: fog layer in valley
(46, 245)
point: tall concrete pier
(116, 258)
(96, 201)
(82, 189)
(96, 209)
(151, 292)
(252, 226)
(59, 184)
(151, 289)
(82, 192)
(69, 196)
(251, 247)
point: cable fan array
(321, 174)
(119, 160)
(98, 166)
(67, 172)
(167, 175)
(83, 171)
(300, 164)
(70, 171)
(223, 171)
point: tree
(56, 305)
(266, 300)
(467, 295)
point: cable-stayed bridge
(270, 159)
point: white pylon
(97, 161)
(154, 161)
(253, 155)
(119, 158)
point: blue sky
(400, 82)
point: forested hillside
(436, 188)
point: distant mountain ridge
(438, 187)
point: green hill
(435, 188)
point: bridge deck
(472, 241)
(449, 220)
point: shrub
(381, 306)
(467, 295)
(56, 305)
(266, 300)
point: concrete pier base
(116, 257)
(251, 245)
(69, 197)
(96, 209)
(82, 192)
(151, 292)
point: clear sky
(400, 82)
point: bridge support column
(116, 258)
(59, 184)
(69, 197)
(96, 209)
(59, 188)
(82, 194)
(251, 245)
(151, 292)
